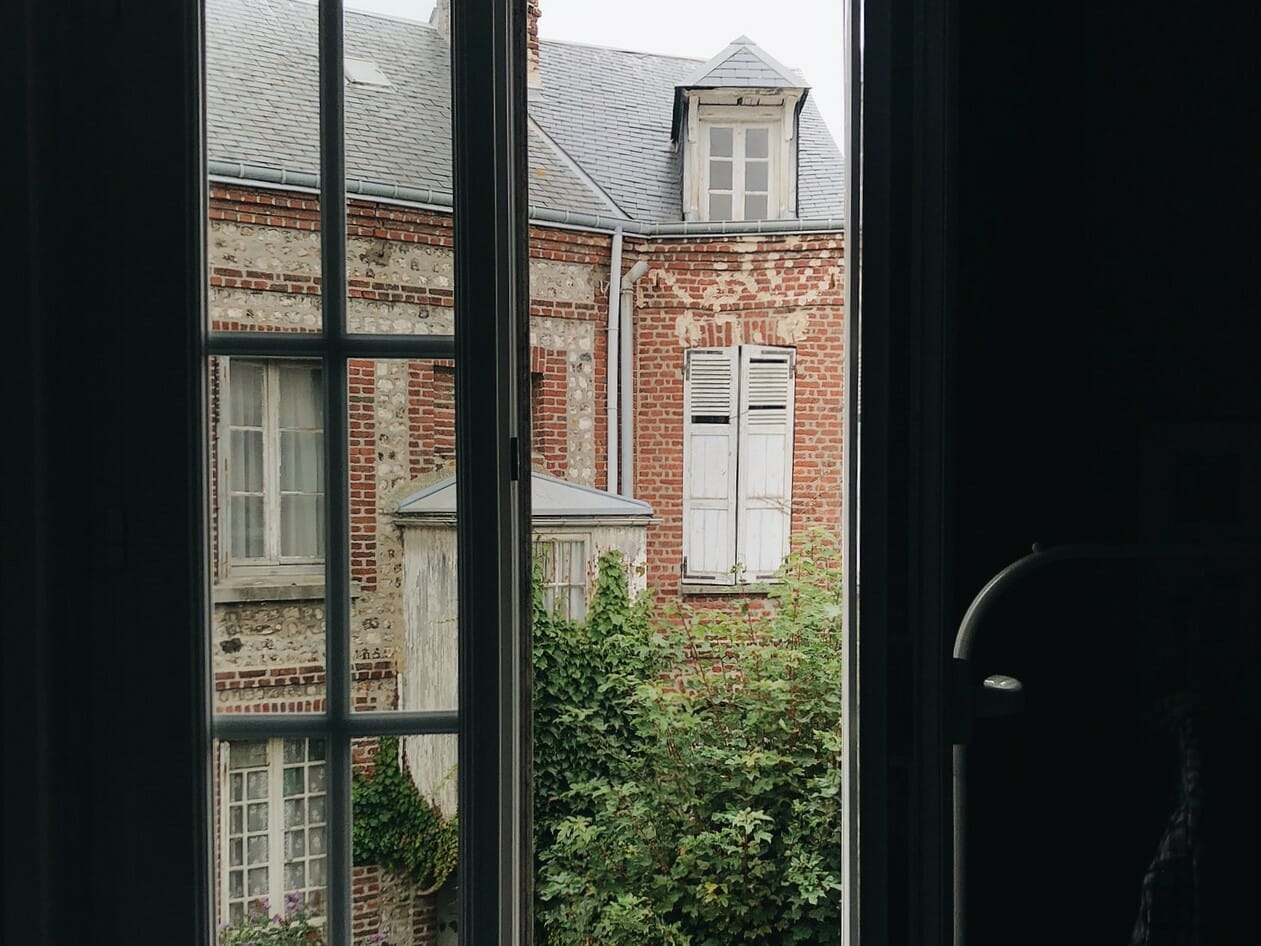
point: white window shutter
(765, 459)
(709, 464)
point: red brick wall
(774, 291)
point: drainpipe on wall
(628, 388)
(615, 267)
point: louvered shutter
(709, 464)
(764, 506)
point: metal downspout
(615, 271)
(628, 387)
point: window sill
(760, 589)
(273, 588)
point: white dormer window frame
(740, 154)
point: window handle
(1001, 695)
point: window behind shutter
(709, 464)
(765, 459)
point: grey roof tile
(601, 145)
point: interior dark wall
(1106, 391)
(103, 753)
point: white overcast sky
(803, 34)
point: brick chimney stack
(441, 20)
(533, 79)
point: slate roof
(599, 139)
(743, 64)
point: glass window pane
(256, 882)
(755, 207)
(295, 812)
(315, 839)
(301, 525)
(247, 394)
(301, 396)
(295, 781)
(720, 175)
(257, 849)
(295, 876)
(315, 778)
(757, 142)
(256, 817)
(256, 785)
(720, 142)
(250, 754)
(245, 461)
(401, 519)
(315, 809)
(719, 206)
(262, 109)
(236, 787)
(295, 750)
(756, 175)
(295, 844)
(400, 271)
(302, 461)
(236, 852)
(315, 749)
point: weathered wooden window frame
(273, 563)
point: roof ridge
(618, 49)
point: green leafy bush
(395, 827)
(698, 806)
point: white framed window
(272, 466)
(563, 562)
(737, 462)
(273, 827)
(741, 173)
(740, 155)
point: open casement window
(737, 462)
(272, 467)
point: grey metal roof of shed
(549, 498)
(599, 142)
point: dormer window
(739, 139)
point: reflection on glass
(402, 533)
(399, 260)
(415, 782)
(267, 868)
(267, 533)
(262, 112)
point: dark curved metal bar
(965, 639)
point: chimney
(440, 19)
(533, 79)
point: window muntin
(273, 464)
(740, 178)
(737, 462)
(273, 827)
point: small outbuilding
(573, 525)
